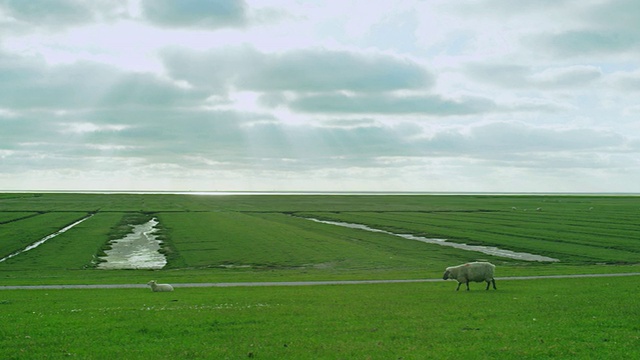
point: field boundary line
(297, 283)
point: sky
(297, 95)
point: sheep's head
(446, 275)
(152, 282)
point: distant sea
(226, 193)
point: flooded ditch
(489, 250)
(137, 250)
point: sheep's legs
(493, 281)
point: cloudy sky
(258, 95)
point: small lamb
(474, 271)
(159, 287)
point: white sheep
(155, 287)
(474, 271)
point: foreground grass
(535, 319)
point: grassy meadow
(237, 238)
(534, 319)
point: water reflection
(489, 250)
(137, 250)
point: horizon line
(318, 192)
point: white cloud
(84, 128)
(626, 81)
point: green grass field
(266, 238)
(534, 319)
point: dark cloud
(566, 77)
(506, 139)
(322, 70)
(214, 70)
(31, 83)
(148, 135)
(589, 42)
(52, 12)
(299, 71)
(607, 28)
(214, 140)
(205, 14)
(317, 80)
(501, 8)
(523, 77)
(58, 14)
(508, 75)
(623, 15)
(148, 90)
(516, 143)
(392, 104)
(193, 139)
(600, 28)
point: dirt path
(296, 283)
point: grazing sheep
(474, 271)
(538, 209)
(159, 287)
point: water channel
(45, 239)
(137, 250)
(489, 250)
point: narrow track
(297, 283)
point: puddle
(137, 250)
(45, 239)
(489, 250)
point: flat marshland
(269, 238)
